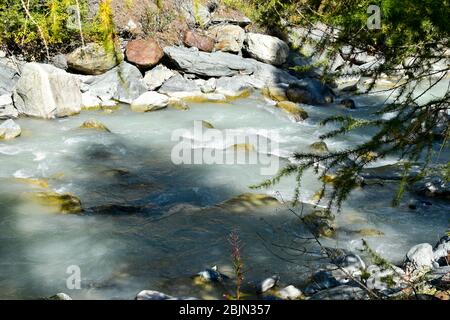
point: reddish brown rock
(194, 39)
(144, 53)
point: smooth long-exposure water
(150, 224)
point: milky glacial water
(151, 224)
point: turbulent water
(151, 224)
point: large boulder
(45, 91)
(93, 59)
(266, 48)
(8, 79)
(216, 64)
(150, 101)
(180, 87)
(155, 78)
(7, 110)
(123, 83)
(9, 130)
(271, 75)
(199, 41)
(228, 38)
(145, 53)
(237, 86)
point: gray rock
(7, 110)
(268, 284)
(155, 78)
(180, 87)
(60, 61)
(8, 79)
(434, 186)
(123, 83)
(343, 292)
(196, 14)
(45, 91)
(9, 130)
(421, 256)
(271, 75)
(266, 48)
(209, 86)
(150, 101)
(234, 86)
(216, 64)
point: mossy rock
(178, 104)
(274, 93)
(369, 232)
(42, 183)
(248, 202)
(319, 147)
(63, 203)
(206, 124)
(293, 109)
(321, 223)
(95, 125)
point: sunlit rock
(293, 109)
(63, 203)
(95, 125)
(9, 130)
(248, 202)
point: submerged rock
(266, 48)
(150, 101)
(45, 91)
(248, 202)
(93, 59)
(64, 203)
(297, 113)
(348, 103)
(321, 223)
(94, 124)
(9, 130)
(211, 275)
(152, 295)
(319, 147)
(178, 104)
(216, 64)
